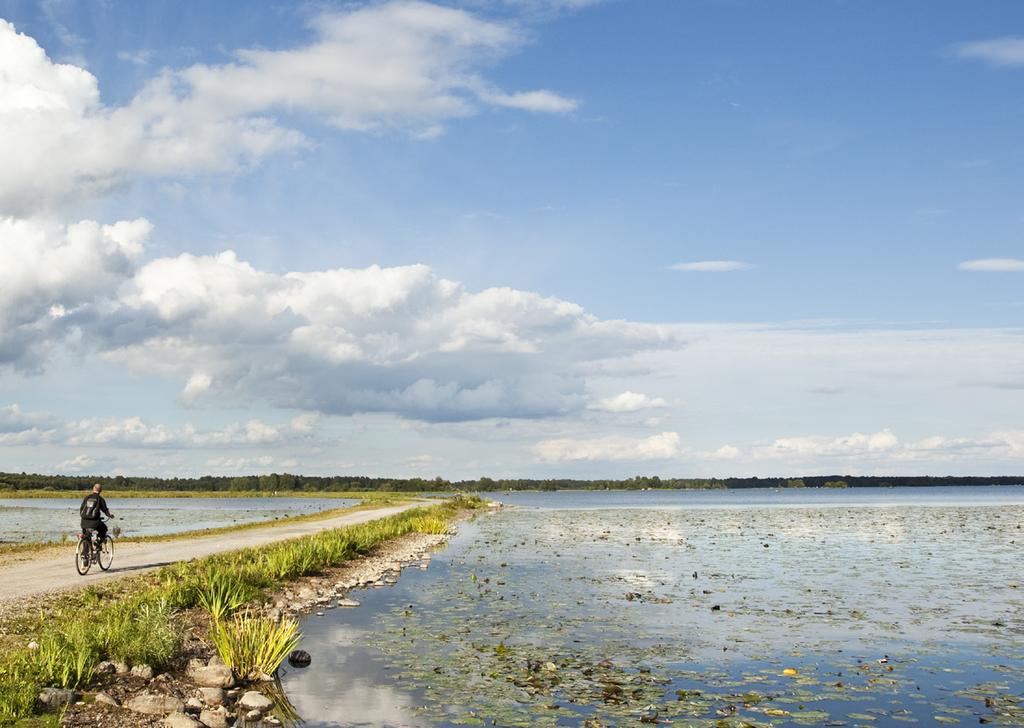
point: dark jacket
(101, 503)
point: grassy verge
(138, 620)
(318, 516)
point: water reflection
(346, 685)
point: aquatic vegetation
(850, 616)
(255, 645)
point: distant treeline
(311, 483)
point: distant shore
(298, 486)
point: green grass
(140, 620)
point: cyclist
(92, 506)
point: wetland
(853, 607)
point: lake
(705, 608)
(50, 519)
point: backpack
(90, 509)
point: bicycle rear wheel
(106, 553)
(82, 560)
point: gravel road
(49, 572)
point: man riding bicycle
(92, 506)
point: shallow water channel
(846, 612)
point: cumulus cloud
(850, 445)
(18, 427)
(993, 265)
(339, 341)
(77, 464)
(884, 446)
(52, 273)
(656, 447)
(406, 66)
(377, 339)
(628, 402)
(712, 266)
(1006, 52)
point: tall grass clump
(223, 592)
(254, 645)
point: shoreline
(305, 596)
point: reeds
(254, 645)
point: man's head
(97, 488)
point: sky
(512, 238)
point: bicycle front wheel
(82, 560)
(106, 553)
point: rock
(180, 720)
(212, 676)
(212, 696)
(253, 715)
(152, 704)
(255, 700)
(56, 698)
(348, 603)
(121, 668)
(143, 671)
(105, 668)
(33, 645)
(271, 722)
(299, 658)
(215, 660)
(194, 705)
(215, 717)
(106, 699)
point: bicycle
(91, 549)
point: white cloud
(138, 58)
(18, 427)
(628, 402)
(712, 266)
(856, 444)
(1008, 51)
(540, 101)
(52, 273)
(259, 463)
(406, 66)
(14, 419)
(725, 452)
(376, 339)
(338, 341)
(993, 265)
(885, 447)
(76, 464)
(663, 446)
(134, 432)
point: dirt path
(50, 572)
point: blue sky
(574, 169)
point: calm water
(49, 519)
(895, 606)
